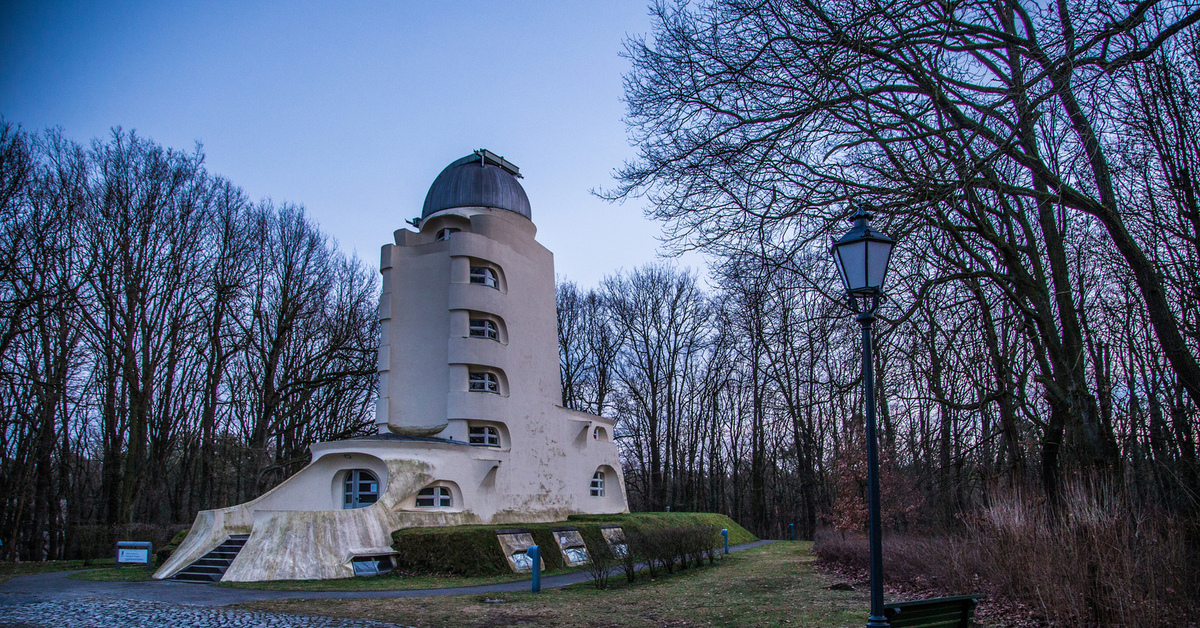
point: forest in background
(166, 345)
(1036, 165)
(1038, 382)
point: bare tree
(662, 317)
(134, 295)
(976, 126)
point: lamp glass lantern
(862, 256)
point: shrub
(714, 541)
(89, 542)
(661, 548)
(449, 551)
(543, 537)
(702, 542)
(1097, 561)
(474, 550)
(648, 520)
(644, 544)
(632, 556)
(165, 551)
(666, 547)
(597, 566)
(594, 539)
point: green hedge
(658, 520)
(475, 551)
(165, 551)
(100, 541)
(460, 551)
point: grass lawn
(387, 582)
(115, 574)
(773, 585)
(10, 570)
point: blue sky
(352, 108)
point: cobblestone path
(130, 614)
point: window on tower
(483, 328)
(484, 435)
(484, 382)
(444, 234)
(485, 276)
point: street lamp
(862, 257)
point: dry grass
(774, 585)
(1097, 562)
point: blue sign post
(725, 533)
(791, 532)
(533, 554)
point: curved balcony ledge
(481, 351)
(470, 296)
(477, 405)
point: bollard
(725, 533)
(535, 556)
(791, 532)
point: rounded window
(361, 489)
(484, 276)
(484, 435)
(598, 484)
(435, 497)
(484, 382)
(484, 328)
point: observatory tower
(469, 426)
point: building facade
(470, 429)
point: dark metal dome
(481, 179)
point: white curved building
(470, 430)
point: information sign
(134, 553)
(139, 556)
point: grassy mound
(165, 552)
(474, 550)
(652, 520)
(460, 551)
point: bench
(938, 612)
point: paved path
(128, 614)
(54, 600)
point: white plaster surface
(543, 469)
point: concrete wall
(429, 299)
(541, 473)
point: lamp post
(862, 257)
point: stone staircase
(211, 566)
